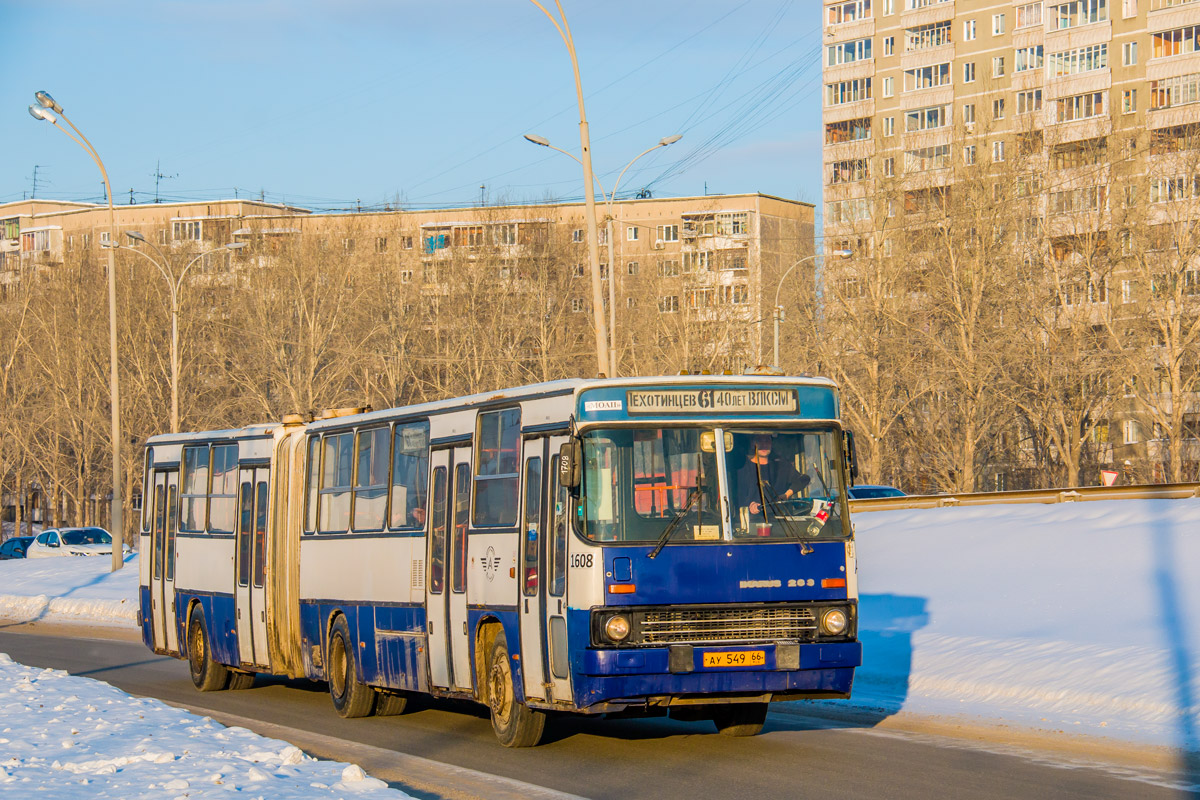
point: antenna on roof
(36, 167)
(158, 176)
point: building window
(668, 268)
(969, 72)
(928, 118)
(1078, 12)
(969, 114)
(668, 304)
(577, 235)
(849, 171)
(1129, 101)
(631, 302)
(852, 130)
(1081, 59)
(997, 24)
(844, 13)
(1129, 54)
(1177, 42)
(889, 7)
(927, 77)
(182, 231)
(998, 109)
(406, 276)
(968, 30)
(668, 233)
(889, 85)
(997, 151)
(842, 92)
(733, 224)
(632, 233)
(924, 37)
(927, 158)
(1029, 101)
(406, 242)
(889, 126)
(1128, 8)
(998, 67)
(1180, 90)
(380, 244)
(847, 52)
(1132, 431)
(889, 167)
(347, 245)
(1080, 106)
(969, 154)
(504, 234)
(632, 268)
(577, 305)
(1028, 58)
(889, 45)
(1029, 15)
(1127, 291)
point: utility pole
(158, 176)
(36, 167)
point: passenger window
(532, 527)
(171, 503)
(260, 534)
(222, 502)
(337, 467)
(558, 539)
(314, 483)
(496, 468)
(147, 512)
(437, 533)
(410, 472)
(370, 480)
(195, 489)
(462, 502)
(245, 529)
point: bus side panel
(312, 637)
(400, 648)
(511, 623)
(144, 613)
(220, 612)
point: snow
(75, 737)
(1081, 617)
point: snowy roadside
(75, 737)
(1079, 617)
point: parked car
(868, 492)
(15, 547)
(71, 542)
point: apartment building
(1099, 100)
(699, 258)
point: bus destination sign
(713, 401)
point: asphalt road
(795, 757)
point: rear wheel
(207, 674)
(390, 704)
(740, 719)
(515, 724)
(351, 698)
(240, 680)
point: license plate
(736, 658)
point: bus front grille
(735, 624)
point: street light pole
(564, 30)
(609, 198)
(174, 285)
(46, 110)
(777, 311)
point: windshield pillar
(725, 488)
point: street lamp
(778, 309)
(585, 142)
(608, 216)
(46, 110)
(174, 284)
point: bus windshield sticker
(714, 401)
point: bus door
(557, 516)
(162, 567)
(531, 600)
(446, 583)
(250, 566)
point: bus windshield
(778, 484)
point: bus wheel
(515, 724)
(390, 704)
(740, 719)
(351, 698)
(240, 680)
(208, 675)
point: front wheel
(515, 724)
(740, 719)
(207, 674)
(351, 698)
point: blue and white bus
(642, 546)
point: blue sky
(330, 104)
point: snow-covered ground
(1081, 617)
(66, 737)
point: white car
(70, 542)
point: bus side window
(260, 534)
(462, 513)
(497, 467)
(171, 503)
(314, 483)
(437, 533)
(160, 520)
(532, 529)
(558, 540)
(245, 528)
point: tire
(240, 680)
(207, 674)
(351, 698)
(390, 704)
(515, 724)
(740, 719)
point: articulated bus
(643, 546)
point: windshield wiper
(674, 523)
(786, 524)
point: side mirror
(52, 543)
(851, 455)
(570, 460)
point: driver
(780, 480)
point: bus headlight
(834, 621)
(617, 628)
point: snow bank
(76, 737)
(74, 589)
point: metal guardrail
(1158, 491)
